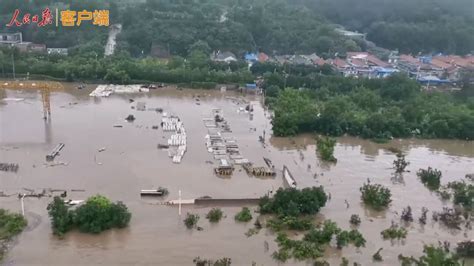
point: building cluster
(16, 40)
(426, 69)
(436, 69)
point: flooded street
(131, 161)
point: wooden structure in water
(224, 168)
(258, 171)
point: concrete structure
(57, 51)
(351, 34)
(11, 38)
(226, 57)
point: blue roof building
(251, 57)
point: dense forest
(411, 26)
(281, 26)
(379, 109)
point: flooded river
(157, 235)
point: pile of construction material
(9, 167)
(177, 141)
(224, 149)
(107, 90)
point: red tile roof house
(342, 66)
(371, 59)
(263, 57)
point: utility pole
(13, 64)
(22, 204)
(179, 203)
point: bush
(346, 237)
(244, 215)
(431, 178)
(294, 202)
(292, 223)
(214, 215)
(326, 148)
(11, 224)
(97, 214)
(375, 195)
(207, 262)
(61, 217)
(463, 194)
(432, 256)
(191, 220)
(355, 220)
(322, 236)
(394, 232)
(400, 163)
(465, 249)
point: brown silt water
(129, 161)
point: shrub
(394, 232)
(207, 262)
(61, 217)
(244, 215)
(191, 220)
(326, 148)
(422, 219)
(465, 248)
(350, 237)
(292, 223)
(463, 194)
(294, 202)
(11, 224)
(407, 216)
(214, 215)
(376, 196)
(430, 177)
(431, 256)
(322, 236)
(355, 220)
(400, 163)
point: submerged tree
(97, 214)
(191, 220)
(400, 163)
(214, 215)
(376, 196)
(244, 215)
(430, 177)
(326, 148)
(61, 217)
(432, 256)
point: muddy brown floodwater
(157, 235)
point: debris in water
(9, 167)
(130, 118)
(118, 126)
(154, 127)
(53, 164)
(163, 146)
(102, 149)
(55, 152)
(161, 191)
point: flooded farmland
(130, 161)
